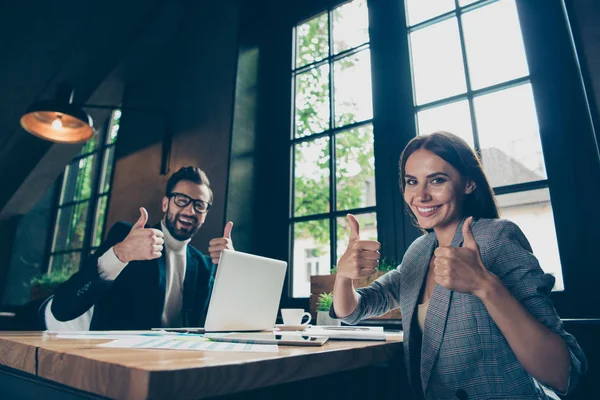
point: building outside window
(470, 77)
(83, 200)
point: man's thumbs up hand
(227, 230)
(141, 243)
(142, 220)
(361, 257)
(216, 246)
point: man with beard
(141, 277)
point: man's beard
(180, 234)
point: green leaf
(50, 280)
(325, 301)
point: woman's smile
(426, 212)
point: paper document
(347, 332)
(187, 343)
(106, 334)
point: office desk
(65, 364)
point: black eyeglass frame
(188, 200)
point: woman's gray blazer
(462, 348)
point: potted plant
(324, 303)
(43, 285)
(322, 284)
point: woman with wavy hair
(477, 316)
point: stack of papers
(105, 334)
(161, 340)
(347, 332)
(188, 343)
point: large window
(332, 139)
(482, 69)
(83, 200)
(471, 78)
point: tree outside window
(83, 201)
(332, 139)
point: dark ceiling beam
(79, 43)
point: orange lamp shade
(58, 122)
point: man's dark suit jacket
(135, 299)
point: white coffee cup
(294, 316)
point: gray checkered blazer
(462, 348)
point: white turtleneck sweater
(109, 267)
(175, 252)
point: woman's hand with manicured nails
(361, 257)
(461, 268)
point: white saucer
(283, 327)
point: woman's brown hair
(454, 150)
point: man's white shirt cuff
(109, 265)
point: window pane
(107, 169)
(532, 211)
(68, 262)
(77, 184)
(350, 25)
(454, 118)
(419, 10)
(494, 44)
(111, 137)
(355, 168)
(463, 3)
(99, 221)
(368, 230)
(509, 136)
(69, 231)
(312, 101)
(312, 40)
(437, 63)
(311, 254)
(311, 177)
(90, 145)
(352, 88)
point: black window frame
(331, 134)
(566, 130)
(562, 107)
(470, 93)
(100, 151)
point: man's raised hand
(217, 245)
(141, 243)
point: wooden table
(177, 374)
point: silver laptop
(246, 293)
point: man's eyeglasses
(182, 200)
